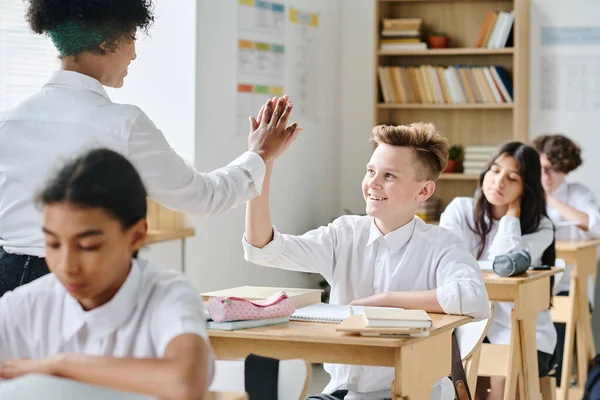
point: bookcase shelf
(459, 51)
(473, 124)
(458, 177)
(425, 106)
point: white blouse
(72, 114)
(358, 261)
(581, 198)
(504, 236)
(153, 307)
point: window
(26, 59)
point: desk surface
(156, 236)
(575, 245)
(326, 333)
(490, 277)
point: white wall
(356, 98)
(581, 126)
(162, 80)
(305, 188)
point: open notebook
(324, 312)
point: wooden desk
(320, 343)
(531, 294)
(575, 313)
(227, 396)
(157, 236)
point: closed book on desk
(252, 323)
(300, 297)
(355, 324)
(396, 318)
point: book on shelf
(401, 23)
(496, 31)
(402, 34)
(428, 84)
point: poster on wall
(260, 57)
(302, 61)
(569, 79)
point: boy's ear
(139, 232)
(426, 191)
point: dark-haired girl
(509, 213)
(73, 113)
(102, 316)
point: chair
(37, 386)
(293, 380)
(469, 338)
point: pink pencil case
(223, 309)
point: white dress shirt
(72, 114)
(504, 236)
(358, 261)
(581, 198)
(154, 306)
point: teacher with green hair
(72, 113)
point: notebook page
(322, 312)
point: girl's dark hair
(121, 17)
(564, 155)
(100, 179)
(533, 202)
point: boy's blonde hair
(430, 147)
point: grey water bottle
(512, 263)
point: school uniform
(154, 306)
(358, 261)
(72, 114)
(505, 235)
(581, 198)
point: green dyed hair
(72, 38)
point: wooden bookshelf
(425, 106)
(466, 51)
(458, 177)
(464, 124)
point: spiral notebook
(324, 312)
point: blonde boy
(389, 257)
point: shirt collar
(395, 239)
(77, 80)
(107, 318)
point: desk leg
(567, 365)
(514, 362)
(414, 383)
(583, 329)
(531, 377)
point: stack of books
(477, 158)
(402, 34)
(429, 209)
(430, 84)
(497, 30)
(383, 321)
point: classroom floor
(320, 379)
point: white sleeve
(452, 218)
(585, 201)
(13, 342)
(178, 185)
(509, 238)
(312, 252)
(177, 309)
(460, 286)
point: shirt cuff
(510, 225)
(269, 251)
(254, 165)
